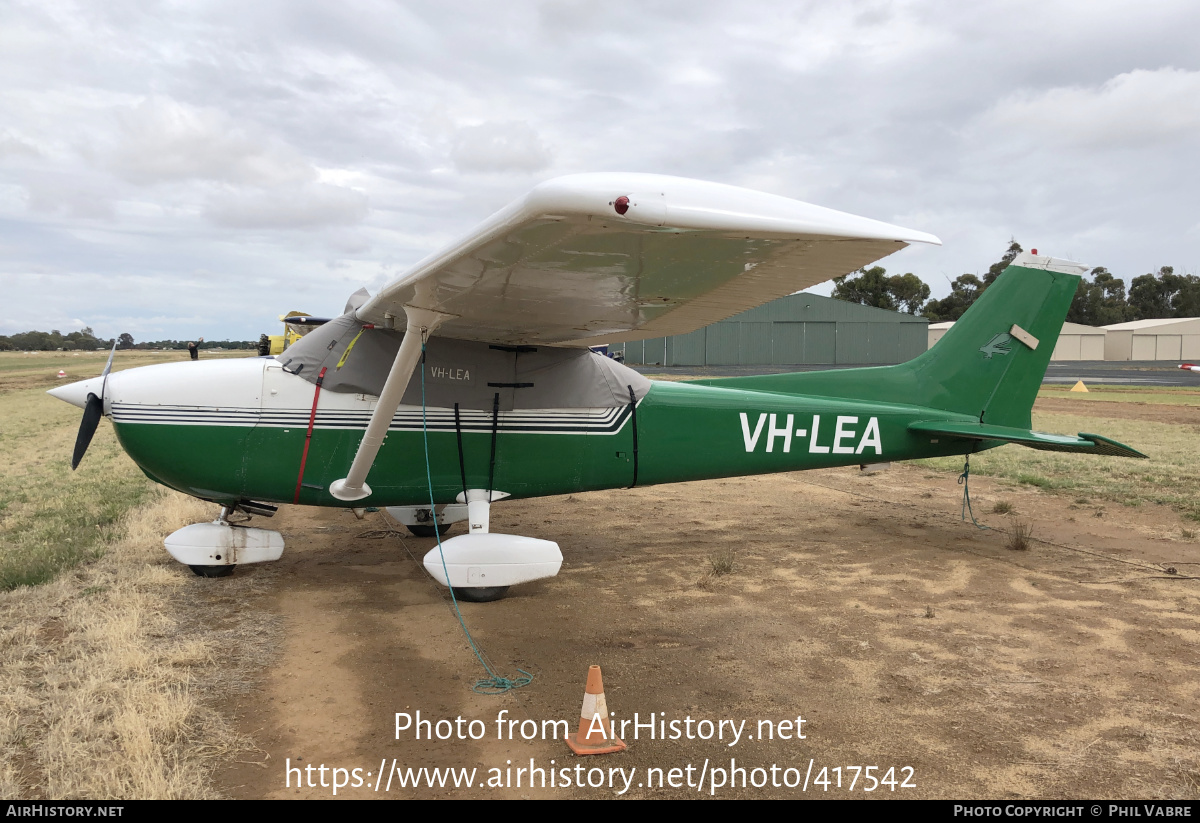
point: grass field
(39, 369)
(1157, 395)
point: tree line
(86, 340)
(1100, 300)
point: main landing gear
(426, 522)
(480, 565)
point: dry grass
(1002, 507)
(720, 563)
(1019, 536)
(99, 674)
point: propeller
(92, 412)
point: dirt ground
(904, 637)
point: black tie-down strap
(495, 428)
(462, 464)
(633, 413)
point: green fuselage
(241, 432)
(684, 432)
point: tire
(480, 595)
(213, 571)
(430, 529)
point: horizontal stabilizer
(1084, 443)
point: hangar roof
(1137, 325)
(803, 306)
(1068, 328)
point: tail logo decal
(1000, 344)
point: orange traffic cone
(594, 733)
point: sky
(176, 170)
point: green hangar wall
(800, 329)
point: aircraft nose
(76, 393)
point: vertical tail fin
(990, 364)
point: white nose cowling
(77, 393)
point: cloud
(11, 146)
(1131, 110)
(499, 146)
(60, 194)
(288, 207)
(160, 140)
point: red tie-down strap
(312, 418)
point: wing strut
(421, 322)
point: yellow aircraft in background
(296, 324)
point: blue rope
(493, 683)
(964, 481)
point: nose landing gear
(215, 549)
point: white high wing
(570, 265)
